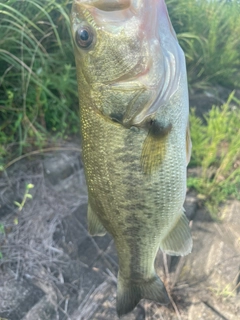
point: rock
(17, 297)
(43, 310)
(60, 166)
(200, 311)
(210, 310)
(213, 266)
(202, 103)
(203, 100)
(63, 170)
(190, 205)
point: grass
(38, 88)
(228, 290)
(38, 91)
(216, 149)
(208, 32)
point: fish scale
(135, 153)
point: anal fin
(95, 227)
(178, 241)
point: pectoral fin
(178, 241)
(154, 147)
(95, 227)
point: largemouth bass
(136, 144)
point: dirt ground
(51, 269)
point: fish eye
(84, 37)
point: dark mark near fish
(159, 131)
(116, 117)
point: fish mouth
(149, 11)
(109, 14)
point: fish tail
(129, 293)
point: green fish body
(135, 138)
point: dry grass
(29, 246)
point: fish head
(128, 46)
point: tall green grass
(216, 150)
(208, 31)
(38, 92)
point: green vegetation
(216, 149)
(38, 92)
(208, 31)
(26, 196)
(38, 89)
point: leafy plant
(38, 90)
(26, 196)
(2, 229)
(216, 149)
(208, 32)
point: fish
(136, 144)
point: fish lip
(108, 5)
(106, 18)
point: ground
(52, 269)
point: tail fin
(130, 293)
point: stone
(59, 167)
(17, 297)
(203, 100)
(200, 311)
(190, 205)
(213, 265)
